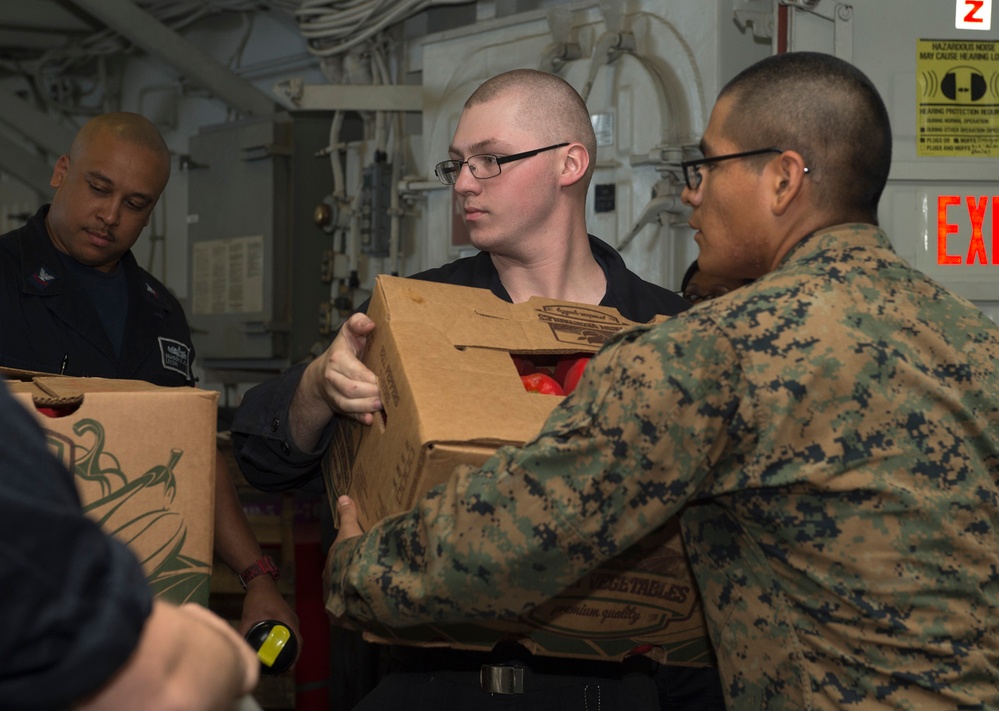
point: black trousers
(460, 691)
(449, 680)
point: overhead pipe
(158, 40)
(563, 49)
(25, 166)
(37, 126)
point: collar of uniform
(635, 298)
(613, 266)
(835, 238)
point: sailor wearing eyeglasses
(521, 160)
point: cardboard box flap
(49, 390)
(21, 374)
(33, 382)
(454, 389)
(43, 396)
(537, 325)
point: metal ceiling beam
(27, 167)
(36, 125)
(11, 39)
(158, 40)
(355, 97)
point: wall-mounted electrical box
(256, 253)
(376, 200)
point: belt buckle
(498, 679)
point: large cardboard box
(144, 463)
(452, 395)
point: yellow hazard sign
(957, 98)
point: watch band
(264, 565)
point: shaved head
(548, 107)
(106, 188)
(124, 127)
(828, 111)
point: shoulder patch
(176, 356)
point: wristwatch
(264, 565)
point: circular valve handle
(276, 646)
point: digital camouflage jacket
(834, 427)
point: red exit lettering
(976, 211)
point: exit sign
(973, 15)
(979, 251)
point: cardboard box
(451, 396)
(144, 460)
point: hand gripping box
(452, 395)
(143, 457)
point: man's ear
(577, 160)
(789, 176)
(60, 170)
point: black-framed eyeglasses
(484, 165)
(692, 168)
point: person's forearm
(309, 413)
(550, 512)
(235, 544)
(184, 660)
(237, 547)
(412, 558)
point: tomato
(524, 365)
(566, 361)
(573, 373)
(60, 410)
(541, 383)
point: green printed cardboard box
(144, 461)
(444, 356)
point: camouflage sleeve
(613, 463)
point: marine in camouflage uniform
(829, 436)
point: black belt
(509, 679)
(511, 669)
